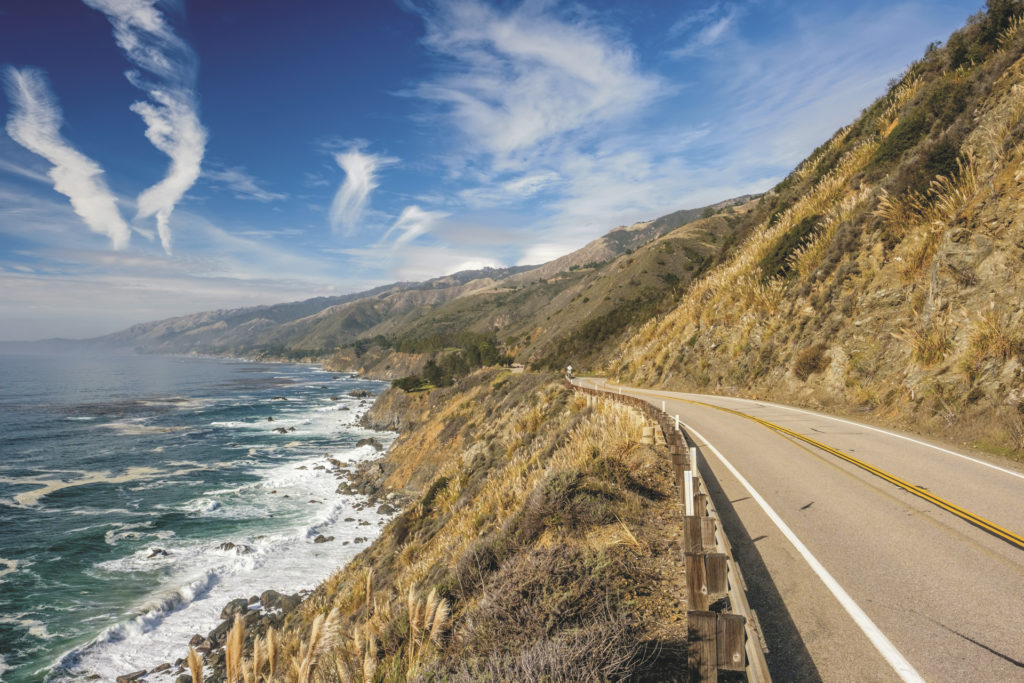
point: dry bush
(991, 338)
(928, 344)
(607, 650)
(809, 361)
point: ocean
(123, 480)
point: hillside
(542, 543)
(882, 276)
(525, 308)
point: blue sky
(161, 158)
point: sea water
(123, 479)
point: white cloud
(519, 79)
(34, 123)
(412, 223)
(244, 185)
(353, 194)
(719, 20)
(171, 114)
(518, 188)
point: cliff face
(875, 283)
(542, 543)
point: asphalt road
(852, 577)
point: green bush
(905, 135)
(776, 262)
(408, 383)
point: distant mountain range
(515, 302)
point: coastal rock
(236, 606)
(219, 635)
(385, 509)
(158, 552)
(360, 393)
(196, 640)
(288, 603)
(323, 539)
(128, 678)
(183, 678)
(226, 546)
(372, 441)
(269, 599)
(163, 667)
(281, 430)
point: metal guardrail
(723, 632)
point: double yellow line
(980, 522)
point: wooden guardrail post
(727, 639)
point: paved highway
(854, 578)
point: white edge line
(904, 669)
(874, 429)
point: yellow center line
(980, 522)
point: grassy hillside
(883, 274)
(541, 544)
(547, 318)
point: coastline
(248, 518)
(262, 606)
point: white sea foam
(296, 496)
(34, 627)
(8, 567)
(48, 486)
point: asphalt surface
(946, 595)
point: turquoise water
(122, 476)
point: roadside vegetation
(542, 544)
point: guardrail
(722, 630)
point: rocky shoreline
(271, 609)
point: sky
(164, 158)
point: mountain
(883, 275)
(486, 301)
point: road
(854, 578)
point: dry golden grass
(195, 665)
(407, 604)
(930, 343)
(737, 287)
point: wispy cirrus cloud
(354, 192)
(166, 71)
(412, 223)
(242, 183)
(514, 80)
(713, 23)
(34, 123)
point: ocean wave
(152, 616)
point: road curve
(945, 593)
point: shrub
(776, 261)
(809, 361)
(409, 383)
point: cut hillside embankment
(885, 276)
(542, 543)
